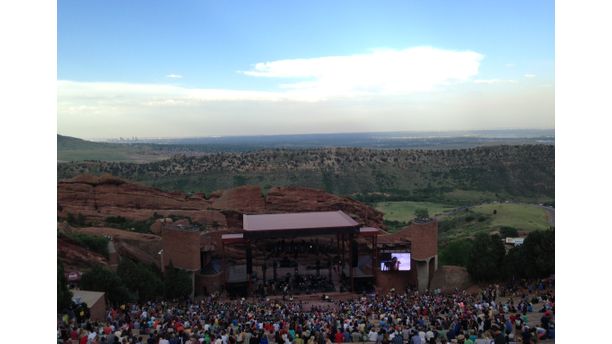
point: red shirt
(339, 337)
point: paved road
(550, 212)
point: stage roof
(290, 221)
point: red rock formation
(98, 198)
(245, 199)
(77, 258)
(298, 199)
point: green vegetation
(98, 244)
(140, 279)
(456, 176)
(486, 257)
(404, 211)
(135, 225)
(459, 196)
(488, 260)
(101, 279)
(64, 296)
(458, 229)
(177, 283)
(488, 218)
(74, 149)
(508, 232)
(523, 217)
(77, 221)
(135, 282)
(538, 252)
(394, 226)
(455, 252)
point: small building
(95, 300)
(514, 241)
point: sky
(150, 68)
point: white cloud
(529, 76)
(381, 72)
(174, 76)
(494, 81)
(510, 65)
(152, 94)
(381, 90)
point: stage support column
(249, 259)
(342, 256)
(352, 259)
(375, 257)
(223, 263)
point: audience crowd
(498, 314)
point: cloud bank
(381, 72)
(419, 88)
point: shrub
(508, 232)
(98, 244)
(140, 279)
(101, 279)
(64, 296)
(486, 257)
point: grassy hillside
(466, 223)
(523, 217)
(74, 149)
(404, 210)
(520, 173)
(456, 229)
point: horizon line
(127, 138)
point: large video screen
(395, 262)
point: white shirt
(372, 336)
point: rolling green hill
(457, 177)
(74, 149)
(458, 228)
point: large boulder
(299, 199)
(449, 277)
(245, 199)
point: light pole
(161, 257)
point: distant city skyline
(206, 68)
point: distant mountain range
(398, 139)
(147, 150)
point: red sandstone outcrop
(98, 198)
(75, 257)
(244, 199)
(298, 199)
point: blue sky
(267, 67)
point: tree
(486, 257)
(508, 232)
(539, 251)
(514, 263)
(140, 279)
(421, 214)
(177, 283)
(64, 296)
(456, 252)
(101, 279)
